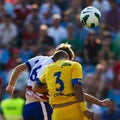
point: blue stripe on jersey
(28, 65)
(76, 81)
(38, 82)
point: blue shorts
(37, 111)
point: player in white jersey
(36, 107)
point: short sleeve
(77, 74)
(31, 62)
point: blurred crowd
(35, 27)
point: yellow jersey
(60, 77)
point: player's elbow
(20, 68)
(35, 87)
(39, 89)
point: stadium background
(23, 35)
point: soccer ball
(90, 17)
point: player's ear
(67, 56)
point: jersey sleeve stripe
(28, 65)
(76, 81)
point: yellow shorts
(71, 112)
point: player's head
(60, 55)
(67, 48)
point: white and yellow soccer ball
(90, 17)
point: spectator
(106, 51)
(8, 32)
(12, 61)
(34, 17)
(13, 2)
(21, 10)
(81, 32)
(2, 12)
(118, 2)
(65, 19)
(108, 73)
(91, 48)
(88, 68)
(111, 114)
(47, 10)
(4, 55)
(114, 89)
(25, 52)
(91, 82)
(116, 81)
(116, 46)
(12, 107)
(96, 109)
(29, 35)
(75, 8)
(72, 40)
(86, 3)
(8, 7)
(43, 38)
(114, 94)
(56, 31)
(112, 17)
(102, 5)
(63, 4)
(3, 82)
(38, 2)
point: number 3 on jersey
(59, 81)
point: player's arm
(80, 98)
(40, 84)
(1, 114)
(14, 77)
(78, 89)
(77, 82)
(39, 89)
(94, 100)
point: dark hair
(67, 48)
(60, 54)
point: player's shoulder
(41, 57)
(75, 63)
(71, 63)
(5, 101)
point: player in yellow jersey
(64, 81)
(67, 48)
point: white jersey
(36, 67)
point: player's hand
(10, 89)
(106, 103)
(89, 114)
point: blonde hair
(67, 48)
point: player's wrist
(101, 103)
(11, 86)
(83, 106)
